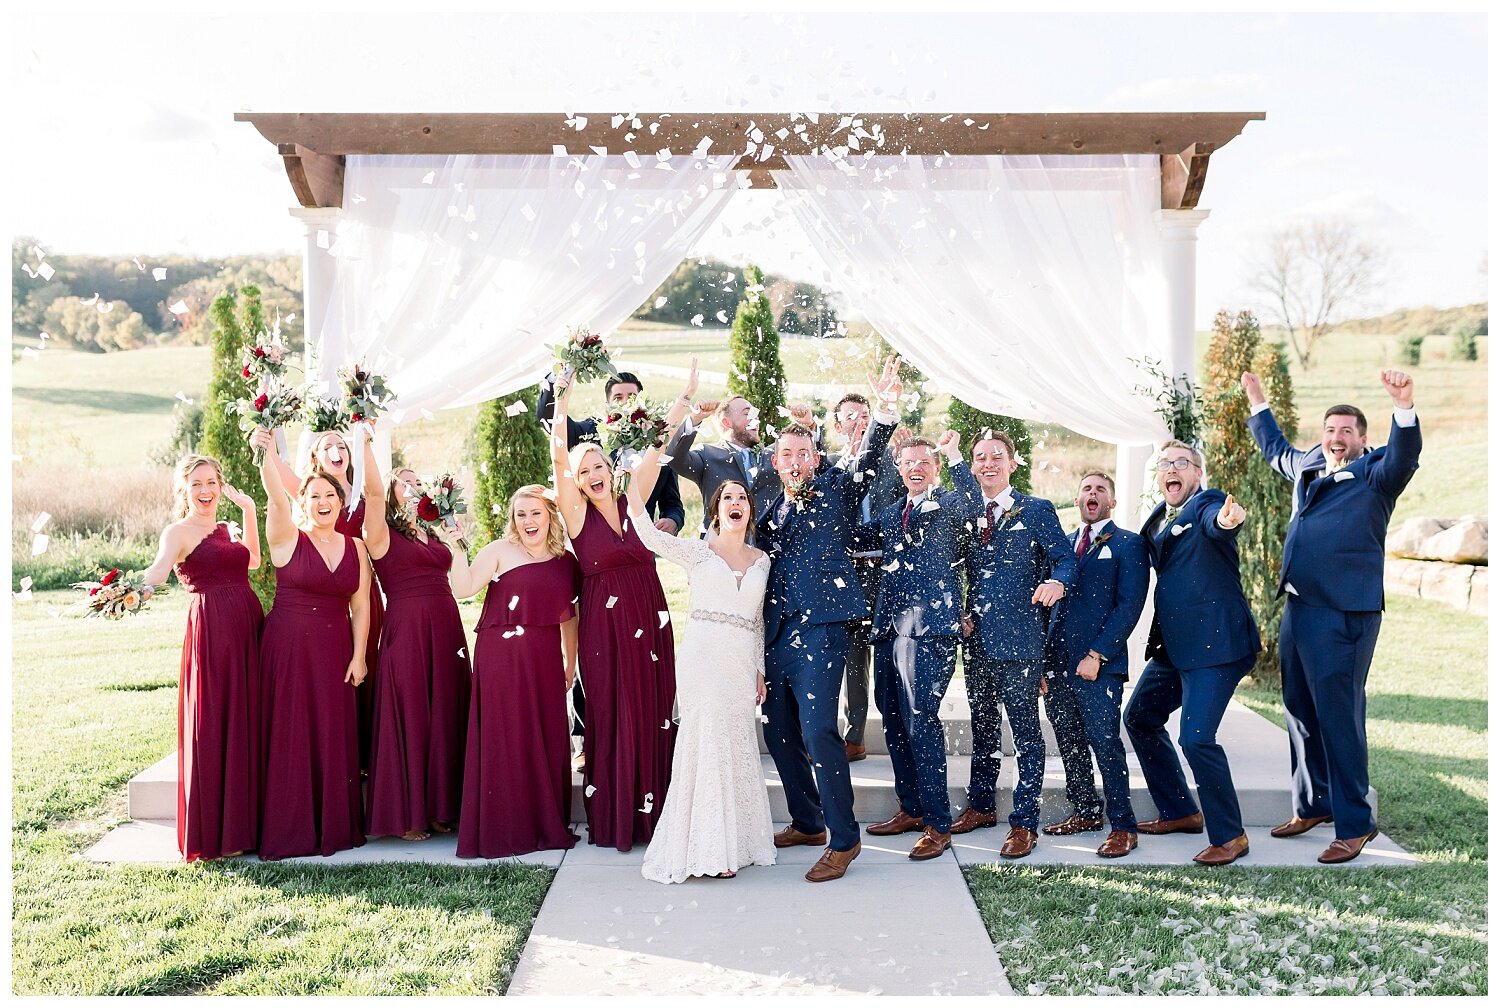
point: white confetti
(638, 634)
(45, 271)
(515, 600)
(611, 603)
(159, 273)
(697, 319)
(427, 179)
(664, 617)
(588, 792)
(178, 307)
(39, 544)
(183, 396)
(516, 408)
(41, 522)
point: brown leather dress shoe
(1074, 824)
(900, 823)
(1161, 827)
(832, 864)
(1117, 844)
(1346, 850)
(853, 752)
(1226, 853)
(793, 837)
(1296, 826)
(1018, 843)
(969, 820)
(930, 844)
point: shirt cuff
(886, 418)
(1261, 408)
(956, 462)
(688, 427)
(1405, 417)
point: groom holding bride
(812, 601)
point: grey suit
(710, 465)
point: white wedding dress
(718, 816)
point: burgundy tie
(989, 522)
(1083, 541)
(905, 514)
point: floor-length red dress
(517, 780)
(310, 801)
(627, 662)
(421, 694)
(218, 702)
(353, 524)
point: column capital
(1180, 225)
(316, 218)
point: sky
(129, 145)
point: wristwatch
(1096, 656)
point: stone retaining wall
(1463, 586)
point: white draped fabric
(455, 274)
(1024, 285)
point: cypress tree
(507, 452)
(1236, 466)
(236, 317)
(755, 370)
(968, 422)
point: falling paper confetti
(159, 273)
(41, 522)
(516, 408)
(39, 544)
(178, 308)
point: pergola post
(1179, 232)
(318, 227)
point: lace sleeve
(687, 553)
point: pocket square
(1292, 590)
(1104, 553)
(1179, 529)
(928, 505)
(1341, 475)
(1018, 527)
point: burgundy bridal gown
(311, 796)
(353, 524)
(517, 781)
(421, 693)
(218, 702)
(627, 663)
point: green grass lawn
(1261, 930)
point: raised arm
(284, 472)
(281, 530)
(249, 530)
(377, 533)
(683, 552)
(1222, 520)
(465, 578)
(569, 498)
(644, 480)
(1278, 451)
(1394, 470)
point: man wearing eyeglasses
(1333, 575)
(1203, 640)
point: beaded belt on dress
(754, 626)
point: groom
(812, 600)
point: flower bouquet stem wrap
(628, 429)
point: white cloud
(1183, 91)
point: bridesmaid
(312, 655)
(330, 455)
(625, 647)
(218, 698)
(517, 781)
(422, 672)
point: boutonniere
(802, 494)
(1094, 548)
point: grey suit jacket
(710, 465)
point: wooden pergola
(314, 144)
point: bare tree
(1314, 272)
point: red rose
(93, 592)
(109, 578)
(426, 510)
(245, 373)
(612, 418)
(638, 416)
(258, 351)
(590, 341)
(356, 417)
(260, 402)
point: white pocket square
(1292, 590)
(1018, 527)
(1342, 475)
(928, 505)
(1104, 553)
(1179, 529)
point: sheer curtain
(1024, 285)
(455, 273)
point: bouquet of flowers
(265, 360)
(439, 502)
(114, 595)
(587, 356)
(365, 394)
(628, 429)
(320, 412)
(274, 407)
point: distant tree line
(714, 289)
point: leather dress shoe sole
(1073, 825)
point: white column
(318, 231)
(1179, 232)
(1130, 484)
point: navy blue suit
(812, 598)
(1098, 614)
(1203, 640)
(875, 497)
(1333, 573)
(1003, 656)
(917, 627)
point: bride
(717, 817)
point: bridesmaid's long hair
(557, 536)
(712, 513)
(397, 515)
(181, 506)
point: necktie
(905, 514)
(1084, 538)
(989, 522)
(745, 459)
(786, 505)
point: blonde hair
(181, 506)
(1174, 443)
(557, 537)
(576, 455)
(311, 463)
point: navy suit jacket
(875, 496)
(1334, 555)
(812, 576)
(920, 589)
(1023, 551)
(1103, 605)
(1202, 618)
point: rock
(1466, 542)
(1447, 583)
(1479, 592)
(1407, 540)
(1404, 577)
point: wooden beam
(317, 179)
(1183, 175)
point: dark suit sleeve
(966, 496)
(1130, 597)
(1209, 518)
(577, 429)
(666, 499)
(1395, 468)
(685, 462)
(868, 462)
(1277, 450)
(1061, 561)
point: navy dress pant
(1086, 717)
(911, 676)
